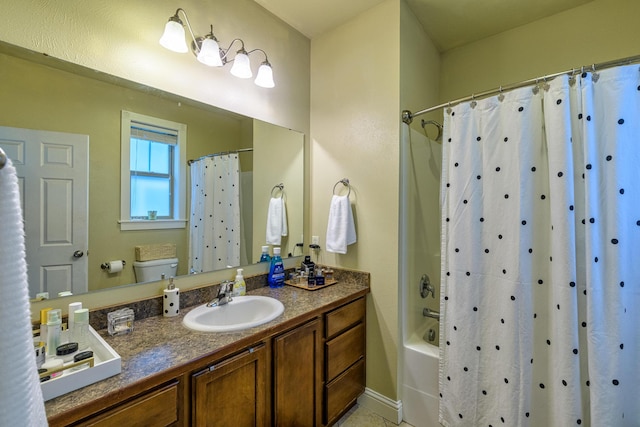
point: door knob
(78, 254)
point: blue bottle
(276, 270)
(265, 254)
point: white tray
(107, 363)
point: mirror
(48, 94)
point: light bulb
(241, 65)
(265, 76)
(210, 53)
(173, 36)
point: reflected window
(153, 181)
(151, 173)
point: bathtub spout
(426, 312)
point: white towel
(276, 221)
(21, 401)
(341, 230)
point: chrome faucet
(224, 294)
(426, 287)
(427, 312)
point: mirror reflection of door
(52, 169)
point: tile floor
(362, 417)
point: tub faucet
(427, 312)
(224, 294)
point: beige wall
(598, 31)
(355, 104)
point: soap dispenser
(239, 286)
(171, 300)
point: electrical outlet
(315, 240)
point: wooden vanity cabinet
(297, 376)
(308, 374)
(344, 352)
(232, 392)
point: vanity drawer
(344, 317)
(159, 407)
(343, 392)
(344, 350)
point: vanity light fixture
(208, 51)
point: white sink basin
(241, 313)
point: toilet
(147, 271)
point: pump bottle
(239, 286)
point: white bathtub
(420, 380)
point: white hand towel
(276, 221)
(341, 230)
(21, 401)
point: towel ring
(277, 187)
(345, 182)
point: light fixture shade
(173, 37)
(241, 66)
(210, 53)
(265, 76)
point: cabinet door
(297, 387)
(233, 392)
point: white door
(52, 169)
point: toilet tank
(147, 271)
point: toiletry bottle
(239, 287)
(265, 254)
(54, 328)
(80, 333)
(44, 313)
(276, 270)
(70, 317)
(171, 300)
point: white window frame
(179, 172)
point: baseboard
(381, 405)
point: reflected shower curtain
(215, 213)
(541, 256)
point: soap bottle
(265, 254)
(171, 300)
(54, 328)
(276, 270)
(239, 286)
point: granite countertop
(158, 343)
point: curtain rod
(408, 116)
(222, 153)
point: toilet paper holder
(105, 266)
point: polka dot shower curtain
(541, 255)
(215, 213)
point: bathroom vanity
(307, 367)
